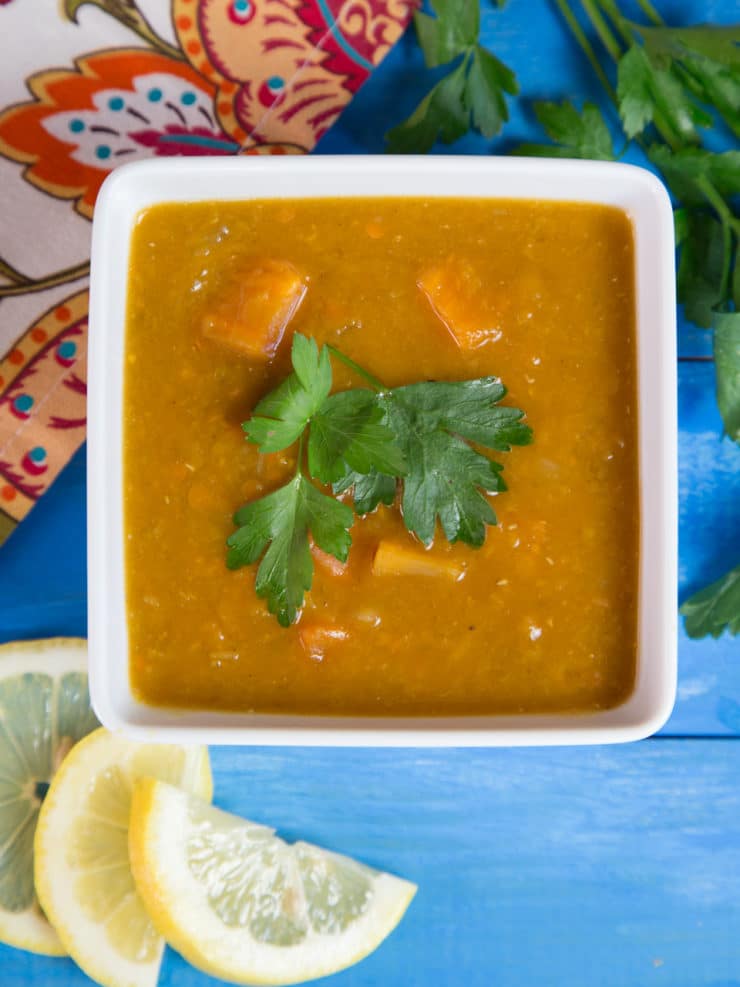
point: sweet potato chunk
(456, 293)
(394, 559)
(316, 639)
(253, 317)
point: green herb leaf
(487, 82)
(646, 91)
(683, 170)
(701, 267)
(442, 115)
(727, 367)
(368, 491)
(575, 135)
(715, 609)
(446, 477)
(707, 60)
(716, 42)
(453, 30)
(347, 435)
(278, 525)
(473, 94)
(282, 416)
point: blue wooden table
(611, 866)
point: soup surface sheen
(544, 618)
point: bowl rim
(637, 191)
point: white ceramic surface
(134, 187)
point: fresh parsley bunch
(370, 441)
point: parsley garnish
(374, 441)
(280, 523)
(473, 91)
(446, 477)
(715, 609)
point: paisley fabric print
(42, 406)
(247, 77)
(113, 107)
(285, 69)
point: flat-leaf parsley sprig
(378, 443)
(473, 93)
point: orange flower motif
(285, 69)
(115, 106)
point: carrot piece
(254, 316)
(394, 559)
(456, 293)
(328, 562)
(317, 638)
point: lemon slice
(44, 710)
(241, 904)
(83, 878)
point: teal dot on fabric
(242, 6)
(102, 151)
(115, 104)
(67, 350)
(276, 82)
(187, 99)
(23, 403)
(76, 125)
(154, 95)
(37, 454)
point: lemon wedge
(241, 904)
(83, 878)
(44, 710)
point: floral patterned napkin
(89, 84)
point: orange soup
(542, 617)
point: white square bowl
(135, 187)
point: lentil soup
(543, 617)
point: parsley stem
(602, 29)
(718, 204)
(377, 385)
(729, 223)
(586, 47)
(650, 12)
(612, 11)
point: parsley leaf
(369, 490)
(575, 135)
(686, 169)
(715, 608)
(646, 89)
(446, 476)
(488, 80)
(472, 94)
(282, 416)
(727, 367)
(444, 37)
(441, 114)
(706, 58)
(700, 267)
(346, 435)
(278, 525)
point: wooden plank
(611, 866)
